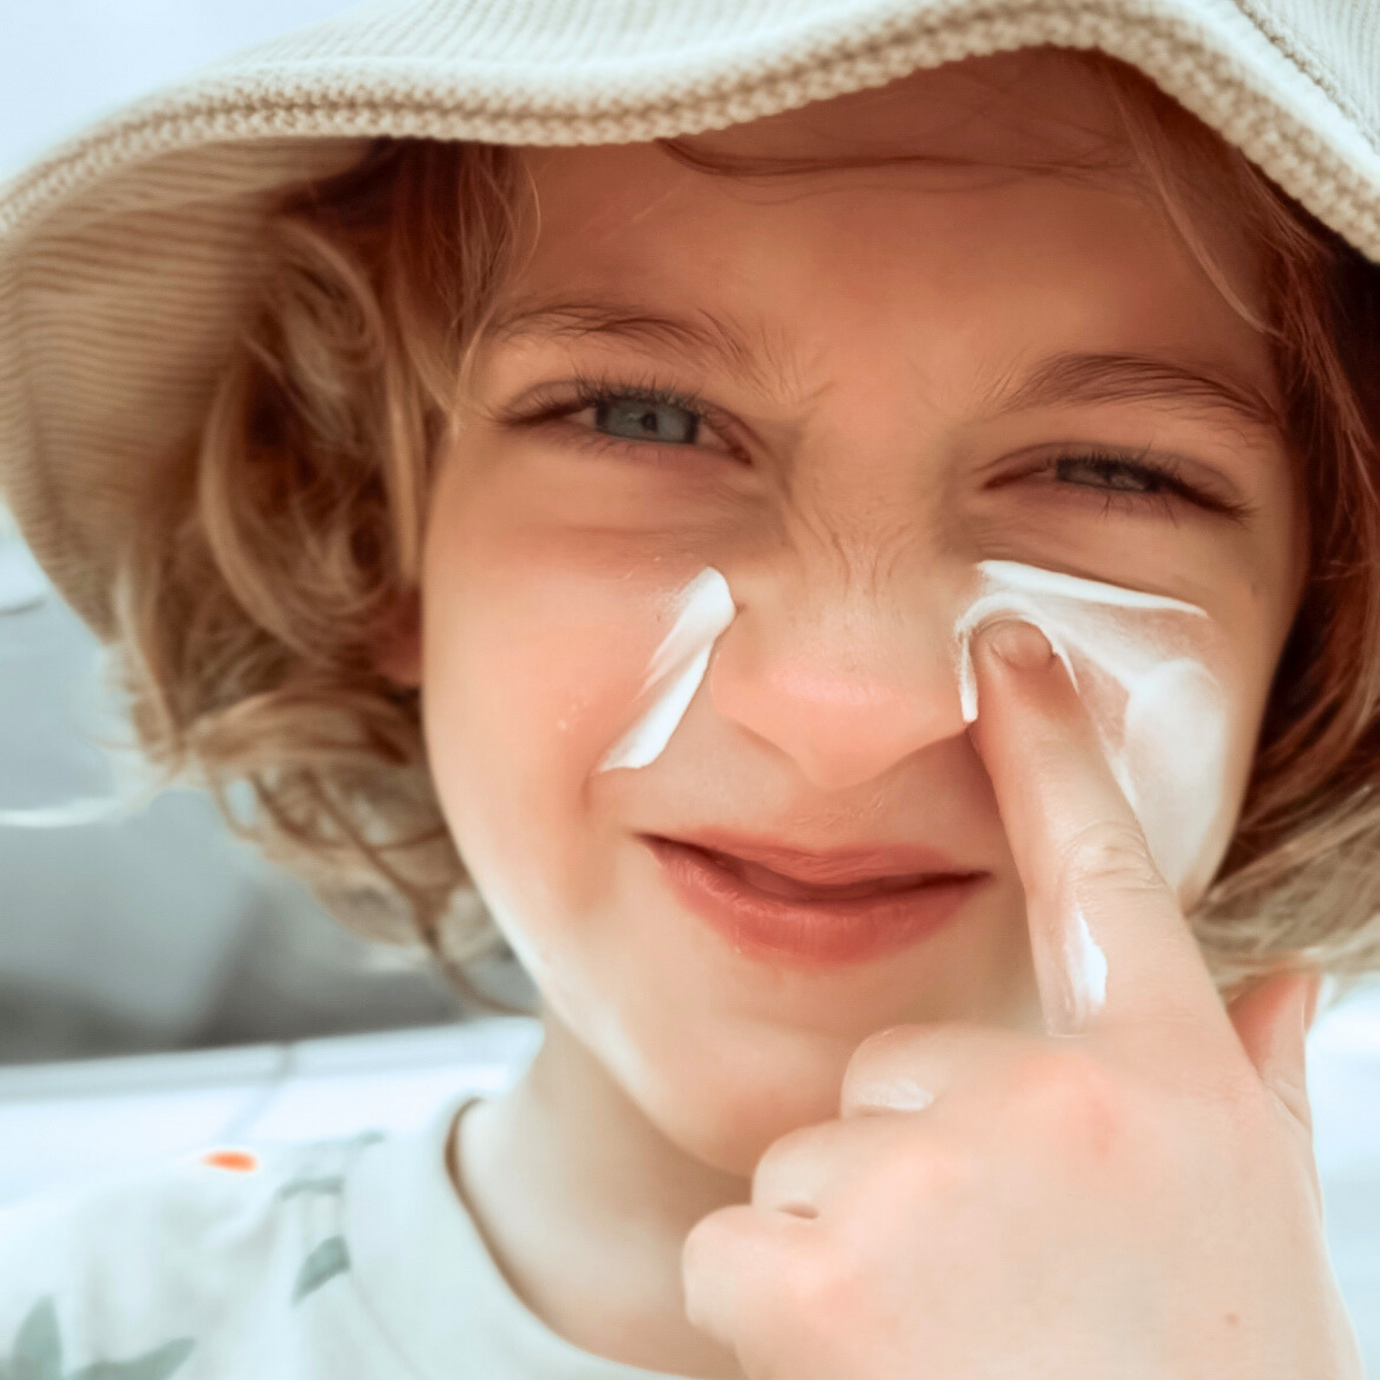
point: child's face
(850, 472)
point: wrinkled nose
(845, 688)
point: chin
(725, 1110)
(732, 1136)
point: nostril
(845, 702)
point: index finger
(1108, 937)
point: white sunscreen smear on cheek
(1159, 712)
(677, 668)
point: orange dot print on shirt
(237, 1161)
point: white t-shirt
(344, 1260)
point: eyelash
(589, 390)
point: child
(845, 561)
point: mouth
(772, 862)
(855, 905)
(777, 883)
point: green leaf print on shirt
(338, 1155)
(37, 1346)
(330, 1183)
(37, 1354)
(153, 1365)
(329, 1259)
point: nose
(845, 682)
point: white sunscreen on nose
(678, 666)
(1136, 661)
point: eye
(1135, 481)
(656, 422)
(1112, 472)
(633, 418)
(643, 415)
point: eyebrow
(747, 353)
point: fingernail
(1019, 644)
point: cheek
(1245, 671)
(1249, 682)
(534, 654)
(1175, 766)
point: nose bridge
(846, 666)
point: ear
(398, 650)
(1272, 1019)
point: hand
(1130, 1197)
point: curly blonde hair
(282, 544)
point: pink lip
(809, 930)
(825, 866)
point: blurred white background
(66, 62)
(159, 938)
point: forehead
(1042, 113)
(996, 191)
(1007, 107)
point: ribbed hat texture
(127, 256)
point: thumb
(1271, 1021)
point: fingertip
(1019, 645)
(1012, 660)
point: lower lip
(807, 934)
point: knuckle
(1073, 1099)
(825, 1285)
(783, 1153)
(802, 1309)
(705, 1244)
(920, 1176)
(1110, 854)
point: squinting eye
(654, 420)
(658, 422)
(1114, 472)
(635, 418)
(1135, 481)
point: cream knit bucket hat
(126, 256)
